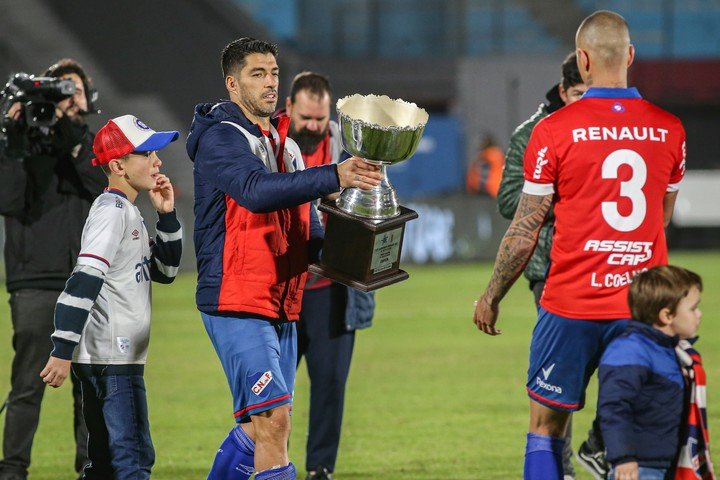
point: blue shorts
(259, 358)
(564, 353)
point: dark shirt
(45, 198)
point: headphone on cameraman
(67, 66)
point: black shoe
(321, 474)
(593, 461)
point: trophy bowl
(381, 131)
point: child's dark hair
(658, 288)
(234, 53)
(570, 72)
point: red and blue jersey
(609, 159)
(254, 229)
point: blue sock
(235, 458)
(543, 457)
(287, 472)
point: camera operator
(47, 185)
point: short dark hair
(66, 66)
(312, 82)
(660, 287)
(570, 72)
(234, 53)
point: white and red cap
(126, 134)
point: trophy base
(362, 253)
(329, 272)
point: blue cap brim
(157, 141)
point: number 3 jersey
(106, 305)
(609, 159)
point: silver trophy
(383, 132)
(365, 228)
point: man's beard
(78, 118)
(307, 140)
(69, 131)
(256, 105)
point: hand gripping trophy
(364, 232)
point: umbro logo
(547, 371)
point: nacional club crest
(123, 344)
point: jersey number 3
(631, 189)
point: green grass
(429, 397)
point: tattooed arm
(514, 252)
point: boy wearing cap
(102, 318)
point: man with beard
(255, 234)
(47, 186)
(331, 312)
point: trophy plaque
(364, 229)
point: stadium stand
(483, 63)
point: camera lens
(40, 114)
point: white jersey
(103, 315)
(116, 242)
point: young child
(641, 382)
(102, 318)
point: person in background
(47, 186)
(331, 312)
(485, 171)
(568, 90)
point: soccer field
(429, 397)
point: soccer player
(102, 318)
(255, 234)
(610, 165)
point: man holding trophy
(255, 233)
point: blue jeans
(645, 473)
(116, 414)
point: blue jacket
(359, 309)
(641, 397)
(228, 173)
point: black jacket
(45, 199)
